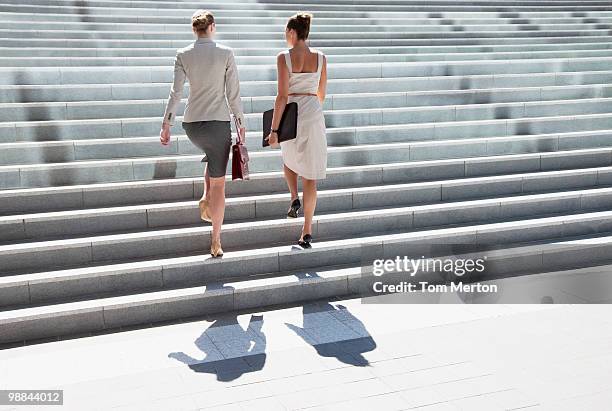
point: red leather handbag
(240, 158)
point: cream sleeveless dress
(306, 155)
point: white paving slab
(444, 360)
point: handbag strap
(238, 137)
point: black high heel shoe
(305, 241)
(294, 208)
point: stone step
(98, 21)
(259, 9)
(97, 75)
(511, 38)
(256, 60)
(518, 102)
(179, 189)
(40, 111)
(155, 3)
(287, 283)
(72, 14)
(48, 225)
(329, 51)
(423, 2)
(551, 84)
(408, 31)
(268, 5)
(245, 24)
(450, 122)
(425, 147)
(88, 172)
(143, 245)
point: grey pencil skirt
(214, 138)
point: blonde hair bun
(201, 20)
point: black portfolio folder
(287, 130)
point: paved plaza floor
(338, 355)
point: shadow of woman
(231, 351)
(334, 332)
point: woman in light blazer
(214, 92)
(302, 78)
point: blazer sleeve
(232, 90)
(176, 92)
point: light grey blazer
(214, 88)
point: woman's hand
(242, 132)
(164, 134)
(272, 139)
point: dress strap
(288, 61)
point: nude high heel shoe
(204, 211)
(215, 249)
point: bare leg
(217, 205)
(292, 182)
(204, 202)
(310, 203)
(206, 192)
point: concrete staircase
(450, 122)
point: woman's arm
(232, 92)
(176, 93)
(282, 96)
(323, 82)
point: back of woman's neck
(300, 46)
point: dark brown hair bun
(301, 24)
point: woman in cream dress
(302, 78)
